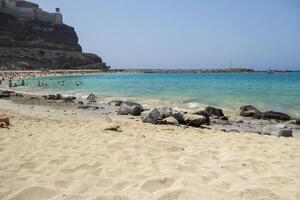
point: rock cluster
(251, 111)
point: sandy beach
(54, 154)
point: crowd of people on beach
(15, 79)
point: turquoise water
(267, 91)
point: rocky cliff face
(36, 45)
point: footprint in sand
(154, 185)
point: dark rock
(297, 121)
(194, 120)
(249, 111)
(130, 108)
(59, 96)
(92, 98)
(285, 133)
(34, 98)
(234, 131)
(53, 97)
(153, 116)
(203, 113)
(165, 112)
(274, 115)
(87, 107)
(179, 117)
(19, 95)
(170, 121)
(115, 128)
(5, 95)
(214, 111)
(69, 99)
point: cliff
(38, 45)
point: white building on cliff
(29, 11)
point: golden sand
(63, 157)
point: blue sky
(186, 33)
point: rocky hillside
(36, 45)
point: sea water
(279, 91)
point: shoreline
(232, 122)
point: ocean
(278, 92)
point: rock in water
(165, 112)
(92, 98)
(275, 115)
(194, 120)
(153, 116)
(249, 111)
(130, 108)
(170, 121)
(214, 111)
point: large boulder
(153, 116)
(92, 98)
(165, 112)
(170, 121)
(130, 108)
(249, 111)
(179, 117)
(205, 114)
(69, 99)
(53, 97)
(194, 120)
(5, 95)
(274, 115)
(214, 111)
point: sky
(186, 33)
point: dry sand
(67, 157)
